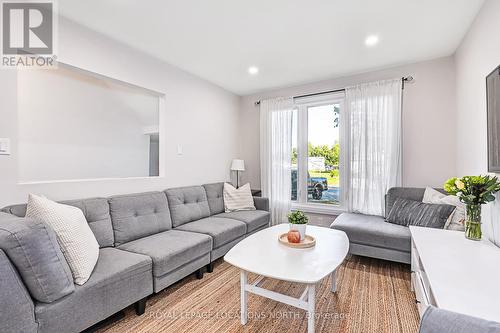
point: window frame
(301, 107)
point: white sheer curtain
(275, 155)
(374, 115)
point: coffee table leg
(243, 297)
(334, 282)
(311, 304)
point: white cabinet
(419, 282)
(454, 273)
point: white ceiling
(291, 41)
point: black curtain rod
(403, 79)
(320, 93)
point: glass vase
(473, 222)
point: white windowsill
(318, 208)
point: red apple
(293, 236)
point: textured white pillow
(77, 242)
(457, 218)
(238, 198)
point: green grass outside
(332, 181)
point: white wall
(429, 134)
(200, 116)
(477, 56)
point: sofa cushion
(77, 241)
(254, 219)
(457, 218)
(215, 197)
(437, 320)
(120, 278)
(236, 199)
(187, 204)
(139, 215)
(222, 230)
(32, 247)
(409, 212)
(373, 231)
(170, 249)
(96, 211)
(410, 193)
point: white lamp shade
(238, 165)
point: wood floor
(373, 296)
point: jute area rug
(372, 296)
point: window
(317, 152)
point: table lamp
(238, 165)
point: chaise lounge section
(148, 241)
(372, 236)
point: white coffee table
(262, 254)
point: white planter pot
(301, 228)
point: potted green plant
(298, 221)
(473, 191)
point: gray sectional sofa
(148, 241)
(436, 320)
(372, 236)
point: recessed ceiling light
(371, 40)
(253, 70)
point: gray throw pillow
(33, 249)
(409, 212)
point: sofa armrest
(261, 203)
(32, 248)
(17, 309)
(436, 320)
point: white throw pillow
(77, 241)
(238, 198)
(432, 196)
(457, 218)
